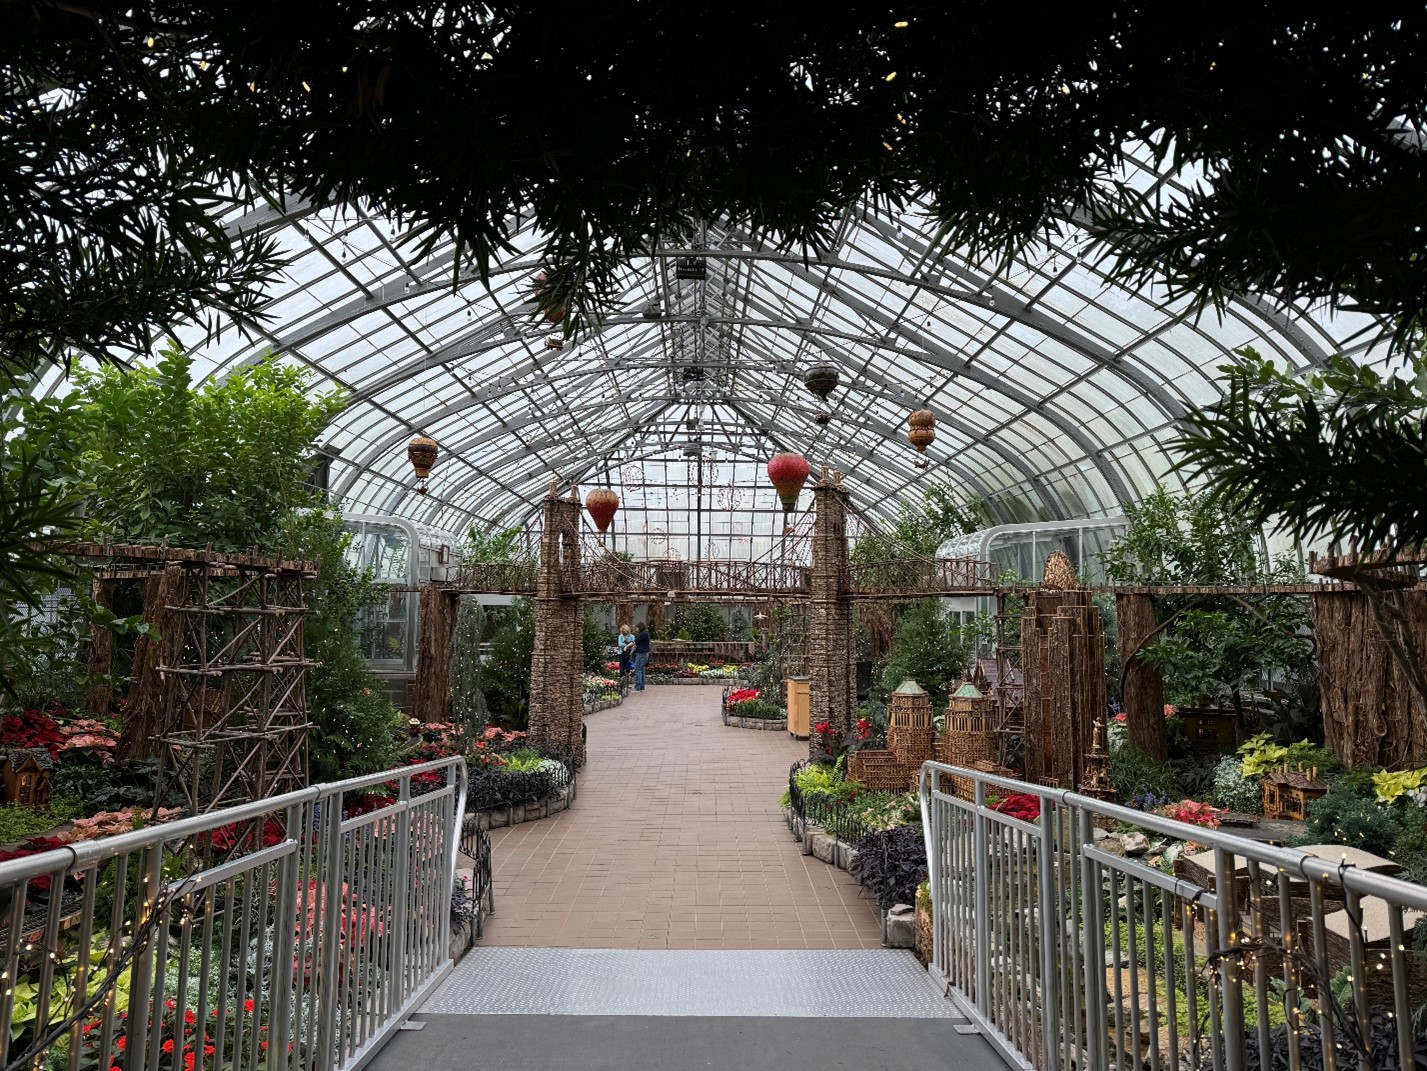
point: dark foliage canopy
(1341, 453)
(619, 126)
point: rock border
(603, 704)
(766, 724)
(514, 814)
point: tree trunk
(148, 692)
(1142, 686)
(1371, 712)
(431, 701)
(100, 689)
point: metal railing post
(1049, 922)
(1092, 929)
(1230, 969)
(981, 848)
(400, 945)
(329, 934)
(928, 780)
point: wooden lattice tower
(557, 686)
(911, 733)
(1063, 663)
(970, 734)
(235, 719)
(832, 652)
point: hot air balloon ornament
(788, 472)
(602, 504)
(921, 432)
(821, 379)
(422, 453)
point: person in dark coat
(641, 656)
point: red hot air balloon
(788, 472)
(602, 505)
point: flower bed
(509, 779)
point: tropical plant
(929, 648)
(354, 723)
(155, 458)
(1339, 453)
(505, 676)
(890, 864)
(1220, 647)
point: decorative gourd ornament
(788, 472)
(602, 504)
(422, 453)
(921, 431)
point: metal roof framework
(1055, 391)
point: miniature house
(1211, 730)
(27, 773)
(1287, 792)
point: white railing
(276, 934)
(1072, 955)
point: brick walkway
(676, 841)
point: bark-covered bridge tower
(557, 666)
(832, 671)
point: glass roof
(1054, 391)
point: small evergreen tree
(468, 703)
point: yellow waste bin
(798, 705)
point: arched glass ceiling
(1054, 391)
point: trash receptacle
(798, 705)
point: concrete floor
(676, 841)
(660, 1043)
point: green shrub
(757, 708)
(1134, 774)
(701, 623)
(468, 704)
(1345, 816)
(1234, 790)
(505, 676)
(354, 724)
(20, 823)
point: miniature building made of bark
(970, 734)
(911, 733)
(1287, 792)
(1063, 664)
(27, 773)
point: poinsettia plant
(1194, 813)
(1023, 805)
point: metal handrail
(1071, 955)
(286, 923)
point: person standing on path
(641, 656)
(626, 655)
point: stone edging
(500, 817)
(828, 848)
(603, 704)
(767, 724)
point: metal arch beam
(896, 392)
(877, 428)
(756, 423)
(989, 296)
(936, 355)
(515, 486)
(511, 382)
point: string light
(891, 77)
(900, 25)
